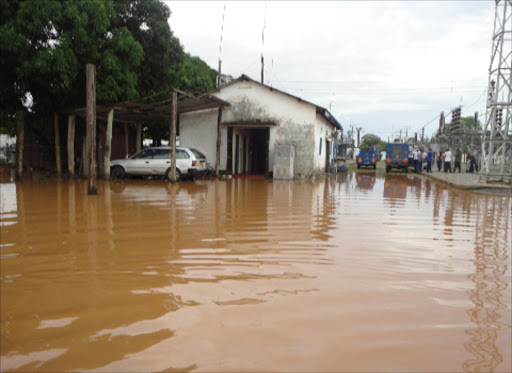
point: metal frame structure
(496, 137)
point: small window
(181, 154)
(144, 154)
(320, 149)
(197, 153)
(162, 154)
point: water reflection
(152, 276)
(395, 187)
(7, 198)
(492, 237)
(365, 180)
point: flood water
(365, 272)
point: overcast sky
(379, 65)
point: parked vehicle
(397, 156)
(367, 158)
(157, 162)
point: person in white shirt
(448, 161)
(415, 159)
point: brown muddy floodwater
(363, 273)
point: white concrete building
(258, 118)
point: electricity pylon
(496, 139)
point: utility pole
(358, 132)
(441, 123)
(496, 140)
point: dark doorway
(248, 150)
(258, 150)
(229, 165)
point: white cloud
(383, 64)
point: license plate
(202, 164)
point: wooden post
(217, 159)
(71, 145)
(85, 169)
(172, 140)
(139, 136)
(57, 144)
(19, 145)
(108, 143)
(126, 150)
(90, 115)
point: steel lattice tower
(496, 139)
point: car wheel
(118, 172)
(168, 174)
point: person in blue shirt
(430, 158)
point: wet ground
(364, 272)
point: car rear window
(397, 150)
(181, 154)
(366, 153)
(198, 154)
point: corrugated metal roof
(133, 112)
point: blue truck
(397, 156)
(367, 158)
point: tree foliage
(46, 44)
(147, 21)
(369, 141)
(467, 123)
(196, 76)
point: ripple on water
(386, 272)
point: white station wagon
(157, 162)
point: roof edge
(319, 109)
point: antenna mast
(220, 47)
(496, 140)
(263, 43)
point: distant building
(258, 118)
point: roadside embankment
(470, 181)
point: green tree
(147, 21)
(196, 76)
(467, 123)
(45, 45)
(369, 141)
(165, 65)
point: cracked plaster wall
(295, 122)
